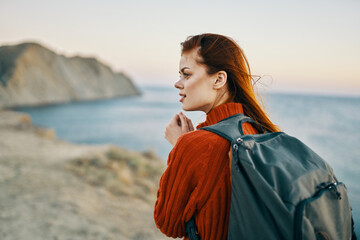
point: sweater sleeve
(176, 197)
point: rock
(31, 74)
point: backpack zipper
(322, 187)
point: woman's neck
(221, 99)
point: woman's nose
(178, 84)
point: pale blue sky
(308, 46)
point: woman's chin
(185, 108)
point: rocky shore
(52, 189)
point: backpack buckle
(241, 142)
(332, 186)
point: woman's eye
(184, 75)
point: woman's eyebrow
(182, 70)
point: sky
(309, 46)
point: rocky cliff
(31, 74)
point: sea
(330, 125)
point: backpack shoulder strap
(231, 128)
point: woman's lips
(182, 97)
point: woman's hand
(178, 125)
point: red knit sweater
(197, 181)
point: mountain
(31, 74)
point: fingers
(178, 120)
(177, 126)
(175, 121)
(184, 125)
(190, 125)
(181, 121)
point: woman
(214, 78)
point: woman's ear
(220, 80)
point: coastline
(52, 189)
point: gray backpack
(281, 189)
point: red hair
(221, 53)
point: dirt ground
(41, 199)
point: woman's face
(195, 85)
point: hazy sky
(307, 45)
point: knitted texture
(197, 181)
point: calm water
(329, 125)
